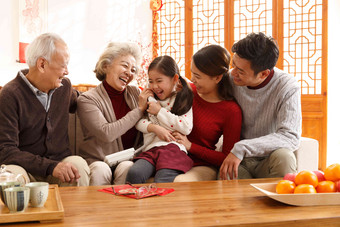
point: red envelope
(137, 192)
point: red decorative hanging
(155, 6)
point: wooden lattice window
(302, 41)
(252, 16)
(172, 31)
(208, 23)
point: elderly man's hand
(66, 172)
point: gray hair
(114, 50)
(42, 46)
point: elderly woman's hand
(143, 98)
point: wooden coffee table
(213, 203)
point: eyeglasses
(139, 192)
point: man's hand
(66, 172)
(229, 167)
(182, 139)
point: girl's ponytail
(184, 98)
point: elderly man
(34, 117)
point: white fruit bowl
(317, 199)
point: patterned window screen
(208, 23)
(303, 43)
(252, 16)
(172, 31)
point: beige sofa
(307, 155)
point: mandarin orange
(326, 187)
(304, 188)
(285, 187)
(332, 172)
(306, 177)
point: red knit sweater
(211, 120)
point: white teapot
(7, 176)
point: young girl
(162, 155)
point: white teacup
(4, 185)
(39, 193)
(17, 198)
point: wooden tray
(317, 199)
(53, 210)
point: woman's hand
(143, 98)
(161, 132)
(154, 108)
(182, 139)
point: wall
(86, 26)
(333, 145)
(8, 40)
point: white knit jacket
(168, 120)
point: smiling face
(243, 74)
(206, 85)
(162, 85)
(56, 68)
(121, 72)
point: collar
(35, 90)
(111, 91)
(265, 82)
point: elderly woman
(109, 112)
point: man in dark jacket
(34, 114)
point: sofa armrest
(307, 156)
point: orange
(285, 187)
(332, 172)
(304, 188)
(326, 186)
(306, 177)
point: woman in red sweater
(215, 114)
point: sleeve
(173, 122)
(287, 134)
(142, 125)
(91, 115)
(9, 140)
(231, 135)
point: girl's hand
(143, 98)
(154, 108)
(161, 132)
(182, 139)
